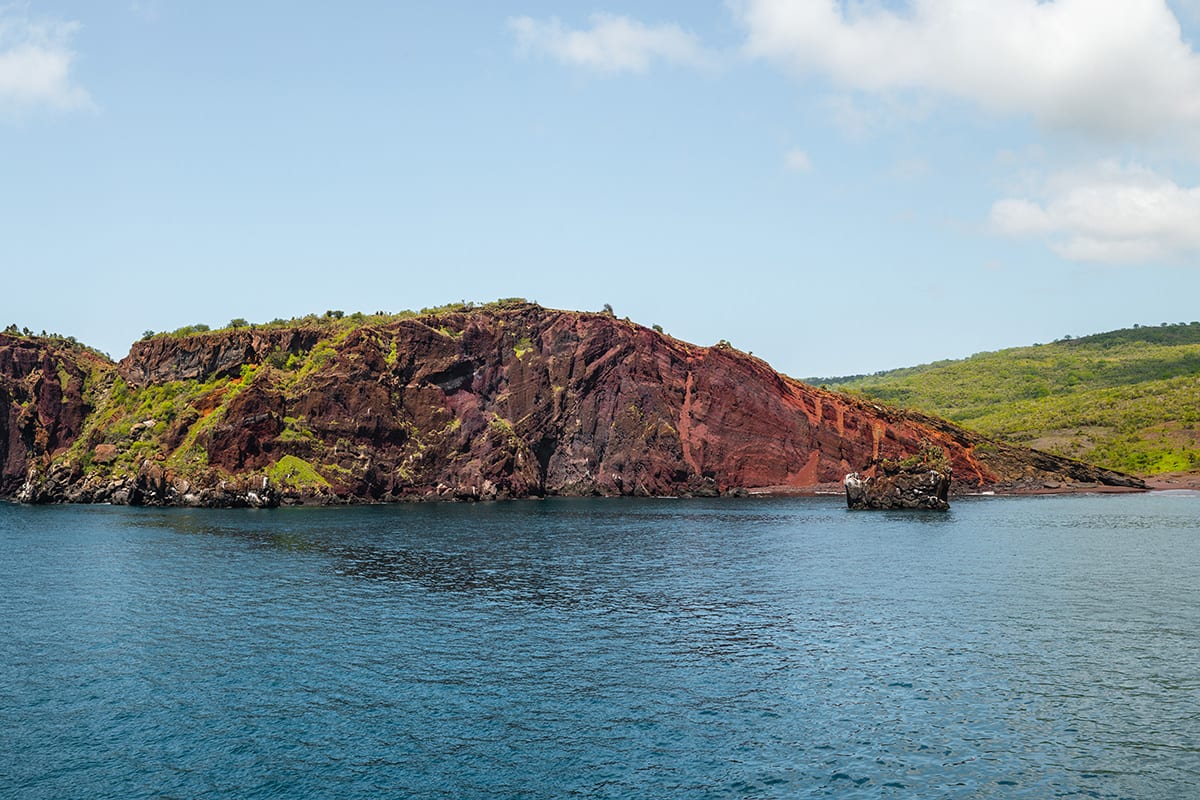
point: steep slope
(1125, 399)
(48, 389)
(508, 401)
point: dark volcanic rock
(185, 358)
(45, 399)
(922, 488)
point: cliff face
(46, 390)
(504, 402)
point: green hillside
(1127, 399)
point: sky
(837, 187)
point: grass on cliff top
(340, 321)
(57, 340)
(1127, 399)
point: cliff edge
(509, 400)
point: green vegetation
(930, 457)
(296, 474)
(338, 321)
(56, 339)
(1127, 399)
(296, 431)
(165, 421)
(503, 429)
(305, 365)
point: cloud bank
(1114, 72)
(612, 44)
(35, 64)
(1109, 214)
(1111, 68)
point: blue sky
(837, 187)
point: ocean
(746, 648)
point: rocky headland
(501, 401)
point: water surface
(1015, 647)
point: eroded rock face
(45, 388)
(532, 402)
(163, 359)
(927, 489)
(504, 402)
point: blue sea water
(1014, 647)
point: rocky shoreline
(152, 488)
(233, 497)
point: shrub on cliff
(929, 457)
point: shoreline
(1169, 481)
(1165, 482)
(1160, 483)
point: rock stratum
(508, 400)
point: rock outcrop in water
(921, 481)
(509, 400)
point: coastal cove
(768, 647)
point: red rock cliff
(45, 389)
(527, 401)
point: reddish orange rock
(516, 401)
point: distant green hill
(1126, 400)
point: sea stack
(921, 481)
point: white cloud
(1112, 213)
(1109, 68)
(35, 64)
(797, 160)
(612, 44)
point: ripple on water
(1033, 647)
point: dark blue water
(1037, 647)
